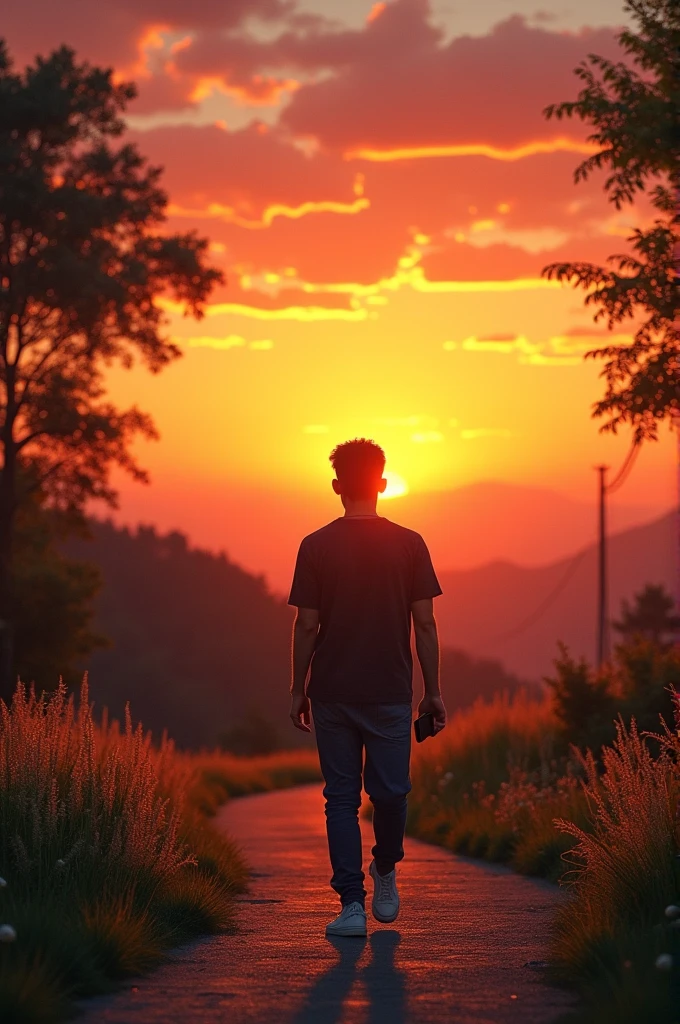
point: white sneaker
(350, 921)
(385, 904)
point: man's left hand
(300, 712)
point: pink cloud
(110, 31)
(249, 169)
(405, 87)
(270, 207)
(459, 261)
(205, 13)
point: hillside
(482, 606)
(466, 526)
(200, 645)
(197, 641)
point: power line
(628, 463)
(547, 601)
(617, 482)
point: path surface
(456, 954)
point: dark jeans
(343, 733)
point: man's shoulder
(331, 530)
(403, 531)
(318, 536)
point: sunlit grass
(107, 850)
(218, 776)
(610, 934)
(609, 828)
(490, 786)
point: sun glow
(396, 486)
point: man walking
(358, 584)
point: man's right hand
(300, 711)
(435, 706)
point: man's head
(358, 466)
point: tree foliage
(633, 108)
(650, 617)
(84, 259)
(638, 683)
(54, 599)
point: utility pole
(602, 624)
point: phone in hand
(424, 726)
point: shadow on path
(383, 982)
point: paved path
(456, 954)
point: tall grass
(491, 786)
(216, 776)
(610, 935)
(608, 827)
(106, 849)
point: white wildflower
(672, 912)
(664, 962)
(7, 933)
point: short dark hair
(359, 466)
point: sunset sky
(382, 191)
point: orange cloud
(227, 213)
(477, 432)
(375, 12)
(151, 39)
(305, 314)
(260, 90)
(471, 149)
(414, 277)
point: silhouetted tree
(638, 683)
(83, 259)
(582, 701)
(53, 601)
(633, 108)
(651, 617)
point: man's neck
(361, 508)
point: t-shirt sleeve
(305, 590)
(425, 583)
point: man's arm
(304, 639)
(427, 649)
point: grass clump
(492, 785)
(618, 936)
(498, 785)
(107, 853)
(219, 776)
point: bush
(490, 786)
(106, 850)
(637, 684)
(611, 932)
(607, 826)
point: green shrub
(611, 931)
(107, 851)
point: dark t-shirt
(362, 574)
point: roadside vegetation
(108, 856)
(504, 783)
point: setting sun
(396, 486)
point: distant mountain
(485, 610)
(532, 526)
(200, 645)
(465, 527)
(197, 641)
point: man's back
(362, 574)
